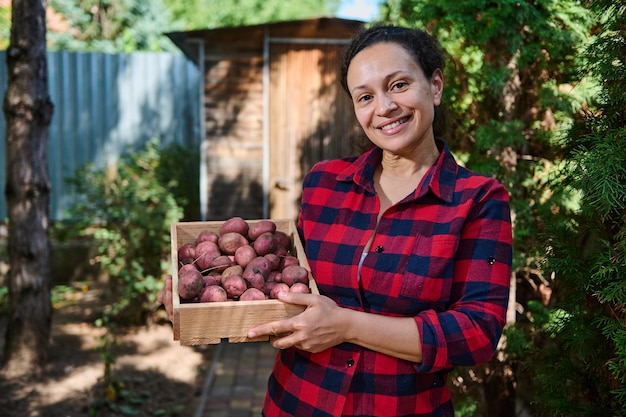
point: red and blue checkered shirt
(442, 256)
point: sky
(358, 9)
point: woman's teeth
(394, 124)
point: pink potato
(282, 239)
(244, 254)
(261, 265)
(231, 270)
(212, 294)
(211, 279)
(260, 227)
(252, 294)
(221, 263)
(278, 288)
(280, 251)
(295, 273)
(190, 284)
(207, 236)
(299, 287)
(205, 253)
(287, 261)
(230, 242)
(274, 276)
(264, 244)
(267, 288)
(235, 224)
(254, 278)
(186, 253)
(235, 285)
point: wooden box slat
(209, 323)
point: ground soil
(157, 376)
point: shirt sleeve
(467, 332)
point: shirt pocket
(427, 279)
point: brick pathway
(236, 381)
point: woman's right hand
(165, 297)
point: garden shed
(272, 107)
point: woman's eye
(364, 98)
(399, 85)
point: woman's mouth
(394, 124)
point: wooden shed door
(310, 119)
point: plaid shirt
(442, 256)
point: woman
(410, 251)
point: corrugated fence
(105, 102)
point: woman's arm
(324, 324)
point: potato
(211, 279)
(280, 251)
(267, 288)
(186, 253)
(230, 242)
(299, 287)
(212, 294)
(221, 263)
(235, 224)
(274, 276)
(244, 254)
(261, 265)
(295, 273)
(252, 294)
(254, 278)
(287, 261)
(260, 227)
(231, 270)
(205, 253)
(283, 239)
(207, 236)
(235, 285)
(190, 284)
(264, 244)
(278, 288)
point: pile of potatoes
(240, 262)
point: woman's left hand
(317, 328)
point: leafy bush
(127, 208)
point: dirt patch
(158, 376)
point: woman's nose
(386, 104)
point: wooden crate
(209, 323)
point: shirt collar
(439, 180)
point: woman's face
(393, 100)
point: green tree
(509, 103)
(112, 25)
(580, 362)
(199, 14)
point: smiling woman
(389, 324)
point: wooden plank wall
(234, 129)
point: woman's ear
(436, 86)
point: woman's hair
(423, 47)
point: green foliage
(134, 25)
(5, 26)
(112, 26)
(127, 209)
(581, 366)
(199, 14)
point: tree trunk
(28, 111)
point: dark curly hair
(423, 47)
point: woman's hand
(165, 297)
(322, 325)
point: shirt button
(379, 249)
(350, 362)
(491, 260)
